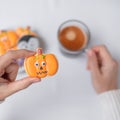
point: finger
(87, 66)
(103, 53)
(93, 63)
(11, 72)
(2, 80)
(21, 84)
(13, 55)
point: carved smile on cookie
(43, 72)
(41, 67)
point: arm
(104, 72)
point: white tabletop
(69, 94)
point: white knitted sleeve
(110, 102)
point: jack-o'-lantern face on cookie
(41, 65)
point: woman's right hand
(103, 68)
(9, 70)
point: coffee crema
(72, 38)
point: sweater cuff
(110, 102)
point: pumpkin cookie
(8, 40)
(41, 65)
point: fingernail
(90, 53)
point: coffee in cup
(73, 36)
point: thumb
(20, 85)
(93, 63)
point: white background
(69, 94)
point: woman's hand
(103, 68)
(8, 73)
